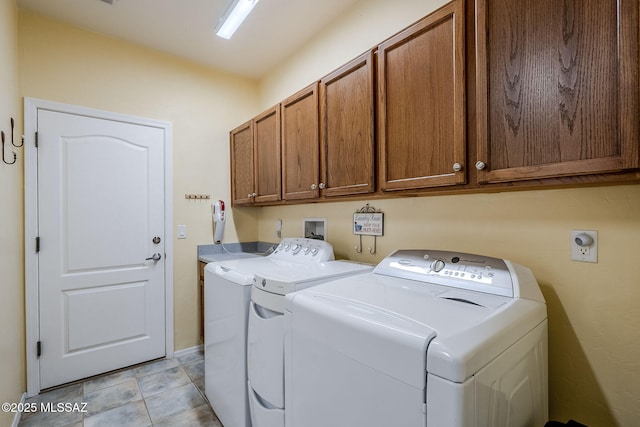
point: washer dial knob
(437, 265)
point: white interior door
(101, 208)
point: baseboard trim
(16, 417)
(186, 351)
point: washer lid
(238, 271)
(452, 332)
(380, 339)
(283, 277)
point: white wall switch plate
(182, 232)
(584, 245)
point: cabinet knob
(480, 165)
(313, 186)
(249, 195)
(254, 194)
(322, 186)
(457, 167)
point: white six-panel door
(101, 215)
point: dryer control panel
(299, 249)
(460, 270)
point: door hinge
(36, 139)
(38, 348)
(37, 244)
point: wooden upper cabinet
(242, 169)
(421, 103)
(300, 145)
(266, 135)
(255, 159)
(557, 88)
(347, 129)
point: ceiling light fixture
(233, 17)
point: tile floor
(162, 393)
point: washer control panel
(299, 249)
(459, 270)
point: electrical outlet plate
(584, 253)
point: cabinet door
(347, 129)
(242, 178)
(300, 145)
(266, 128)
(557, 88)
(421, 103)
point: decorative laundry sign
(368, 224)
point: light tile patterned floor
(162, 393)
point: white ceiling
(274, 29)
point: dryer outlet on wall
(584, 245)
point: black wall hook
(14, 153)
(13, 143)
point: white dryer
(429, 338)
(265, 340)
(227, 292)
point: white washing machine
(227, 292)
(429, 338)
(265, 341)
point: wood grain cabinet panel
(255, 159)
(421, 103)
(266, 135)
(242, 168)
(557, 88)
(300, 145)
(347, 129)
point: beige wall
(12, 368)
(594, 335)
(594, 319)
(594, 339)
(66, 64)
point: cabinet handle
(457, 167)
(480, 165)
(313, 186)
(322, 186)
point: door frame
(32, 309)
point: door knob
(155, 257)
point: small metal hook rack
(15, 156)
(368, 221)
